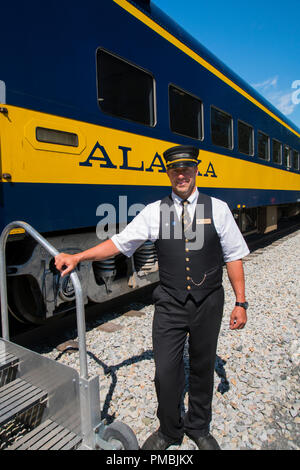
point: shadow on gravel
(112, 371)
(223, 386)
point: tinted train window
(295, 160)
(277, 152)
(287, 157)
(185, 113)
(263, 145)
(124, 90)
(221, 128)
(245, 138)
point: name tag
(203, 221)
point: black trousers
(171, 324)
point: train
(91, 95)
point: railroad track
(258, 242)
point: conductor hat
(181, 156)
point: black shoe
(205, 442)
(157, 441)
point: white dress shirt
(145, 226)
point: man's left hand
(238, 318)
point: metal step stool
(47, 436)
(62, 404)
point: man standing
(190, 296)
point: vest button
(188, 287)
(187, 240)
(187, 259)
(187, 268)
(188, 278)
(187, 249)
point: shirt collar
(192, 198)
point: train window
(277, 151)
(263, 146)
(287, 157)
(295, 160)
(124, 90)
(53, 136)
(221, 128)
(185, 113)
(245, 138)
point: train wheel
(120, 436)
(25, 300)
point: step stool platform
(18, 396)
(8, 367)
(7, 360)
(47, 436)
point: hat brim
(182, 164)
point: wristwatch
(242, 304)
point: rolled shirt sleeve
(232, 241)
(145, 226)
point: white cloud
(267, 84)
(281, 99)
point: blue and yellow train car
(91, 94)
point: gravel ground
(256, 401)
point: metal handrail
(75, 280)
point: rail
(80, 316)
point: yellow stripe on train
(113, 157)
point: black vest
(184, 271)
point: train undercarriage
(36, 291)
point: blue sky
(259, 40)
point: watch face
(246, 305)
